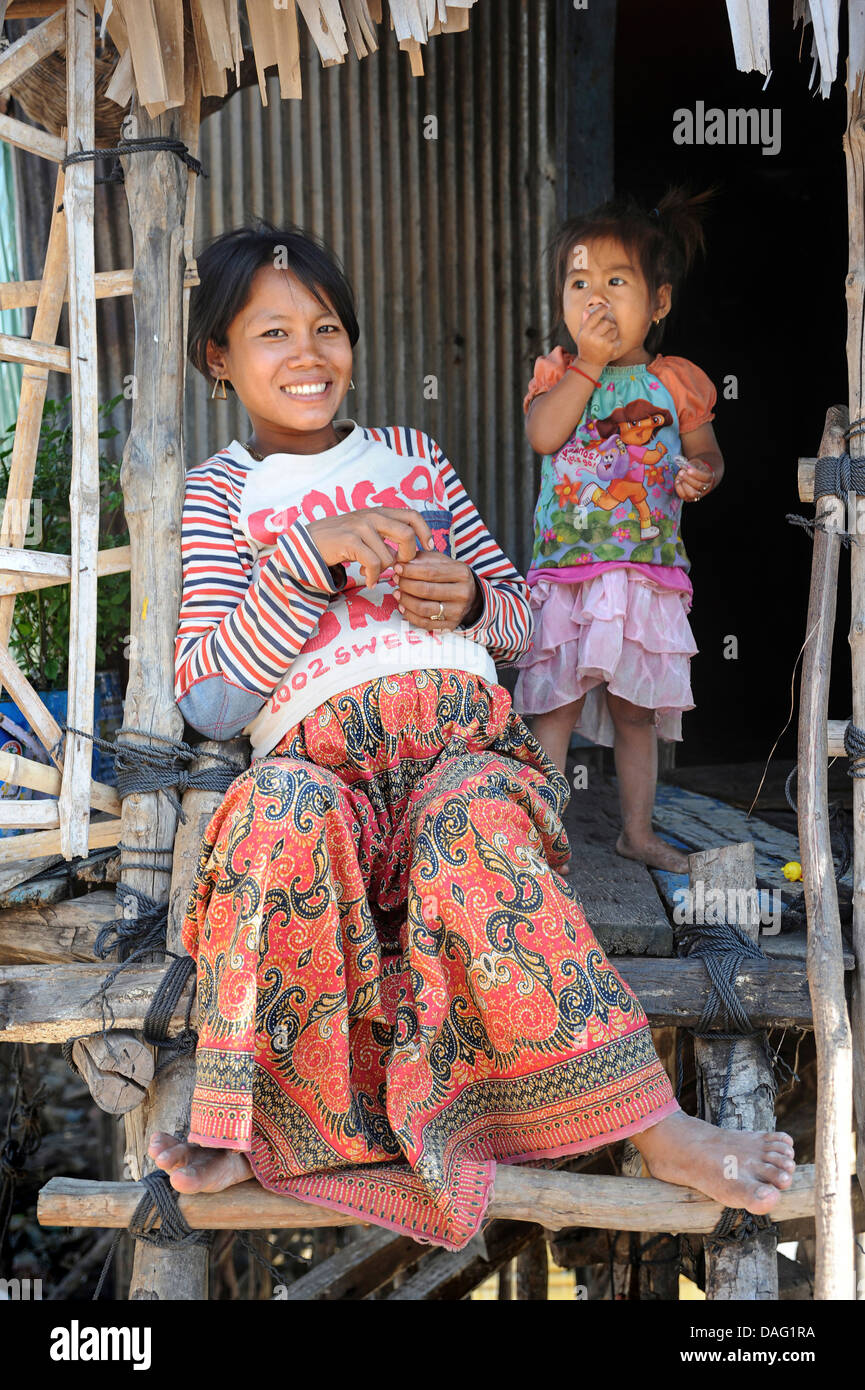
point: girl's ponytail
(679, 219)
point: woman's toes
(766, 1196)
(781, 1159)
(768, 1172)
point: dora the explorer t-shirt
(607, 497)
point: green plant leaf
(609, 551)
(572, 557)
(568, 533)
(668, 554)
(643, 554)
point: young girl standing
(396, 989)
(626, 438)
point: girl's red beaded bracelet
(572, 367)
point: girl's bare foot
(195, 1169)
(735, 1167)
(652, 851)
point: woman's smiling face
(290, 361)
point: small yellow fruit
(792, 871)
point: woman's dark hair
(665, 242)
(225, 271)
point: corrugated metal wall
(442, 237)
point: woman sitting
(397, 989)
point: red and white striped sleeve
(237, 635)
(506, 622)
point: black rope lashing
(736, 1225)
(144, 932)
(145, 767)
(722, 950)
(159, 1201)
(146, 849)
(854, 747)
(144, 144)
(835, 475)
(161, 1009)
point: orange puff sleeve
(693, 393)
(548, 371)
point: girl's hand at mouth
(360, 537)
(431, 580)
(599, 342)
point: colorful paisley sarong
(396, 989)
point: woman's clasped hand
(430, 588)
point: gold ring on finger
(440, 614)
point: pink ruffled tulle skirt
(617, 632)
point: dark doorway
(767, 307)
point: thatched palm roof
(151, 39)
(749, 24)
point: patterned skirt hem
(598, 1141)
(430, 1226)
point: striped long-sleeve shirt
(268, 631)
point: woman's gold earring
(220, 381)
(656, 322)
(351, 385)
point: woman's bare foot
(652, 851)
(194, 1169)
(736, 1167)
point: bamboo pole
(31, 48)
(177, 1274)
(84, 493)
(553, 1200)
(825, 964)
(161, 196)
(34, 385)
(854, 150)
(108, 284)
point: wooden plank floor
(626, 905)
(617, 895)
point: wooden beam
(834, 1274)
(28, 137)
(109, 284)
(31, 48)
(357, 1270)
(15, 560)
(452, 1274)
(835, 738)
(669, 991)
(84, 491)
(34, 354)
(27, 772)
(553, 1200)
(113, 561)
(57, 934)
(31, 9)
(26, 814)
(152, 477)
(101, 833)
